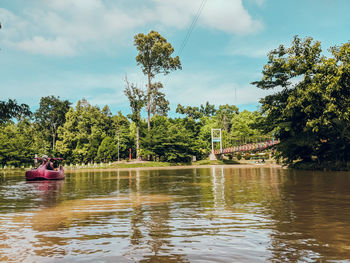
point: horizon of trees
(89, 134)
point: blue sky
(83, 48)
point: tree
(243, 128)
(310, 114)
(208, 110)
(82, 133)
(136, 99)
(172, 140)
(107, 151)
(51, 115)
(159, 105)
(154, 58)
(224, 115)
(191, 112)
(122, 134)
(11, 109)
(17, 143)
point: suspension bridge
(256, 146)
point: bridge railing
(248, 147)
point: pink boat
(45, 171)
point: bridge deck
(248, 147)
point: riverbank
(178, 167)
(148, 165)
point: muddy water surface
(217, 214)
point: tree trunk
(149, 102)
(53, 141)
(137, 142)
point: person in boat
(55, 165)
(50, 165)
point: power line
(190, 29)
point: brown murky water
(184, 215)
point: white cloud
(40, 45)
(84, 25)
(227, 16)
(12, 25)
(258, 2)
(230, 17)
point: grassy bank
(132, 164)
(145, 164)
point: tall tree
(310, 114)
(122, 134)
(11, 109)
(136, 99)
(51, 115)
(159, 104)
(154, 58)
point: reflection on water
(215, 214)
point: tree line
(85, 133)
(308, 111)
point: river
(210, 214)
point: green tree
(11, 109)
(224, 115)
(17, 146)
(107, 151)
(243, 128)
(154, 58)
(171, 140)
(191, 112)
(136, 99)
(51, 115)
(159, 105)
(208, 110)
(310, 114)
(122, 134)
(82, 133)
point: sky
(84, 48)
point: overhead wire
(190, 29)
(192, 26)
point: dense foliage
(310, 111)
(51, 115)
(90, 134)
